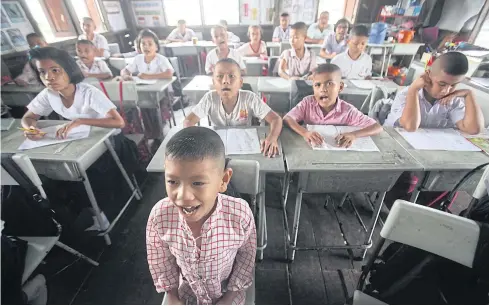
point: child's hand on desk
(34, 133)
(345, 140)
(62, 132)
(269, 147)
(144, 76)
(313, 138)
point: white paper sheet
(437, 140)
(140, 81)
(240, 141)
(278, 82)
(80, 132)
(363, 84)
(329, 133)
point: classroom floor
(314, 277)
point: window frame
(60, 34)
(202, 17)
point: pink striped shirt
(309, 111)
(224, 262)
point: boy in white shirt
(98, 40)
(355, 63)
(150, 64)
(182, 33)
(89, 65)
(220, 38)
(232, 38)
(28, 75)
(227, 105)
(282, 32)
(256, 47)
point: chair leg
(295, 227)
(76, 253)
(181, 105)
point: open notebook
(140, 81)
(437, 139)
(240, 141)
(79, 132)
(329, 133)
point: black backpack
(408, 275)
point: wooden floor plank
(334, 288)
(271, 287)
(350, 280)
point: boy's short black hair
(299, 26)
(33, 35)
(181, 21)
(452, 63)
(196, 143)
(150, 34)
(359, 30)
(66, 61)
(88, 19)
(342, 21)
(228, 60)
(327, 68)
(284, 14)
(84, 42)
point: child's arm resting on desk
(296, 115)
(346, 139)
(269, 146)
(473, 120)
(162, 264)
(282, 68)
(244, 265)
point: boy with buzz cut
(355, 63)
(222, 50)
(181, 33)
(90, 66)
(201, 244)
(297, 62)
(325, 108)
(431, 101)
(282, 32)
(228, 105)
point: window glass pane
(336, 9)
(41, 18)
(80, 8)
(59, 17)
(215, 10)
(189, 10)
(482, 39)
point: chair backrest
(117, 63)
(284, 45)
(482, 188)
(449, 236)
(114, 48)
(273, 65)
(25, 164)
(246, 176)
(375, 95)
(175, 65)
(129, 91)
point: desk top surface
(159, 86)
(25, 89)
(301, 157)
(268, 165)
(73, 151)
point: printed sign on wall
(148, 13)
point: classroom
(258, 152)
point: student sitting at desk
(335, 43)
(297, 62)
(150, 64)
(227, 105)
(128, 54)
(256, 47)
(29, 75)
(326, 108)
(220, 38)
(282, 32)
(431, 101)
(89, 65)
(98, 40)
(355, 63)
(182, 33)
(317, 32)
(201, 244)
(231, 36)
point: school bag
(433, 279)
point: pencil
(32, 131)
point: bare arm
(282, 68)
(411, 115)
(112, 120)
(325, 54)
(275, 123)
(371, 130)
(29, 119)
(473, 121)
(191, 120)
(276, 39)
(296, 127)
(101, 76)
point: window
(336, 9)
(52, 19)
(89, 8)
(189, 10)
(215, 10)
(482, 39)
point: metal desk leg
(384, 51)
(76, 253)
(295, 228)
(93, 200)
(138, 195)
(373, 222)
(171, 106)
(159, 115)
(262, 233)
(199, 60)
(285, 188)
(419, 187)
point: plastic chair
(273, 65)
(117, 63)
(408, 223)
(176, 68)
(37, 247)
(375, 95)
(284, 45)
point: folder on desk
(329, 133)
(240, 141)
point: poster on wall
(267, 11)
(115, 15)
(6, 44)
(16, 38)
(249, 12)
(5, 22)
(300, 10)
(148, 13)
(14, 12)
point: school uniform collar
(348, 55)
(307, 53)
(209, 224)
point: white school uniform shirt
(432, 115)
(281, 34)
(353, 69)
(176, 34)
(333, 46)
(314, 32)
(233, 38)
(99, 66)
(89, 102)
(159, 64)
(212, 59)
(29, 76)
(99, 41)
(246, 50)
(249, 105)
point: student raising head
(355, 63)
(232, 38)
(181, 33)
(220, 38)
(65, 94)
(228, 105)
(149, 64)
(197, 220)
(297, 62)
(98, 40)
(282, 32)
(335, 43)
(431, 101)
(29, 75)
(256, 46)
(326, 108)
(89, 65)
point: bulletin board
(148, 13)
(15, 27)
(300, 10)
(256, 11)
(115, 15)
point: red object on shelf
(382, 16)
